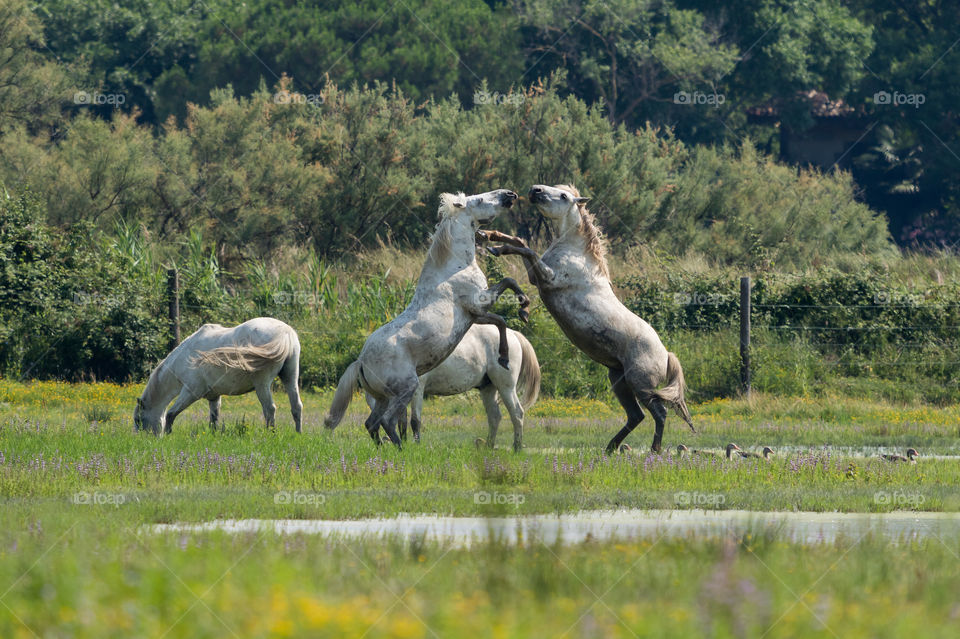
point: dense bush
(71, 306)
(864, 310)
(367, 165)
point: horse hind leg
(515, 409)
(402, 424)
(489, 395)
(655, 405)
(290, 375)
(416, 411)
(628, 400)
(265, 395)
(372, 423)
(395, 407)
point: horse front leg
(184, 399)
(540, 274)
(497, 236)
(214, 414)
(504, 349)
(511, 284)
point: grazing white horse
(450, 297)
(574, 284)
(473, 364)
(217, 361)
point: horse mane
(596, 241)
(153, 380)
(442, 237)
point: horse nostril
(536, 189)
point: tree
(635, 55)
(32, 87)
(911, 93)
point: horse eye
(564, 196)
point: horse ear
(457, 204)
(581, 200)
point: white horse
(574, 285)
(450, 297)
(217, 361)
(473, 364)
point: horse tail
(343, 395)
(529, 377)
(251, 357)
(674, 391)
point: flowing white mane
(442, 238)
(448, 202)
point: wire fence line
(839, 334)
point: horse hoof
(493, 251)
(503, 361)
(524, 316)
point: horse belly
(602, 336)
(456, 374)
(231, 382)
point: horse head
(557, 202)
(462, 215)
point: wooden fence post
(745, 335)
(173, 296)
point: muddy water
(606, 526)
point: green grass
(50, 450)
(69, 567)
(95, 573)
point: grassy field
(93, 575)
(57, 440)
(78, 487)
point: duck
(911, 456)
(764, 454)
(682, 450)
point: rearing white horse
(217, 361)
(450, 297)
(575, 287)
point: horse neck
(159, 389)
(461, 252)
(571, 236)
(568, 232)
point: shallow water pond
(605, 525)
